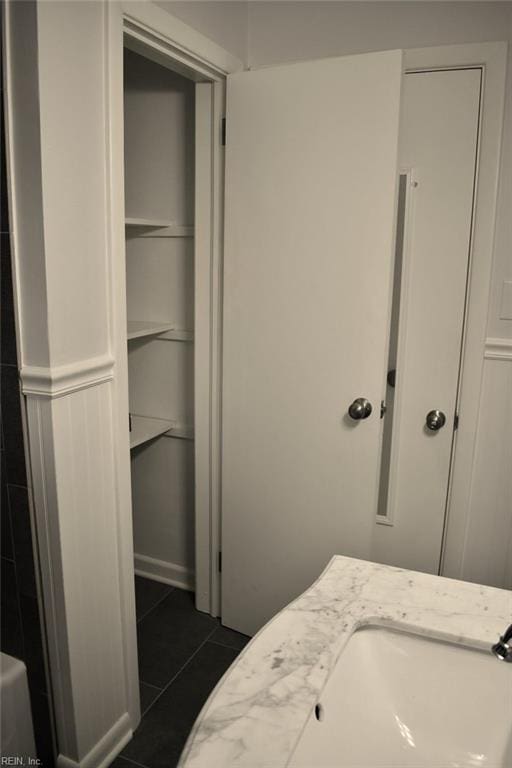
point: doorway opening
(171, 138)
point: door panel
(438, 143)
(311, 161)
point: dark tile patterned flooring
(182, 655)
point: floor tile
(230, 638)
(168, 635)
(162, 734)
(147, 594)
(148, 694)
(121, 762)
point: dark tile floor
(182, 655)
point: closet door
(311, 168)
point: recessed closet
(159, 107)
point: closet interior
(159, 107)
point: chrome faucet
(503, 648)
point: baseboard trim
(106, 750)
(167, 573)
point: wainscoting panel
(75, 501)
(487, 555)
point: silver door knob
(435, 420)
(360, 409)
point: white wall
(286, 31)
(223, 22)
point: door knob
(435, 420)
(360, 409)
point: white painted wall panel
(159, 148)
(489, 527)
(22, 118)
(163, 501)
(73, 465)
(160, 279)
(72, 103)
(161, 379)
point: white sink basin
(400, 700)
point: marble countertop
(255, 715)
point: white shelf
(181, 431)
(139, 328)
(177, 334)
(154, 223)
(166, 331)
(159, 228)
(145, 428)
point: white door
(438, 148)
(311, 167)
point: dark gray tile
(9, 585)
(11, 636)
(147, 594)
(161, 736)
(168, 635)
(12, 426)
(22, 539)
(230, 638)
(33, 644)
(121, 762)
(5, 515)
(8, 332)
(42, 729)
(148, 694)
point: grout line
(171, 589)
(150, 685)
(180, 670)
(225, 645)
(17, 485)
(131, 761)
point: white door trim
(155, 33)
(491, 57)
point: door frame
(154, 33)
(492, 59)
(157, 35)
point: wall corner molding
(61, 380)
(498, 349)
